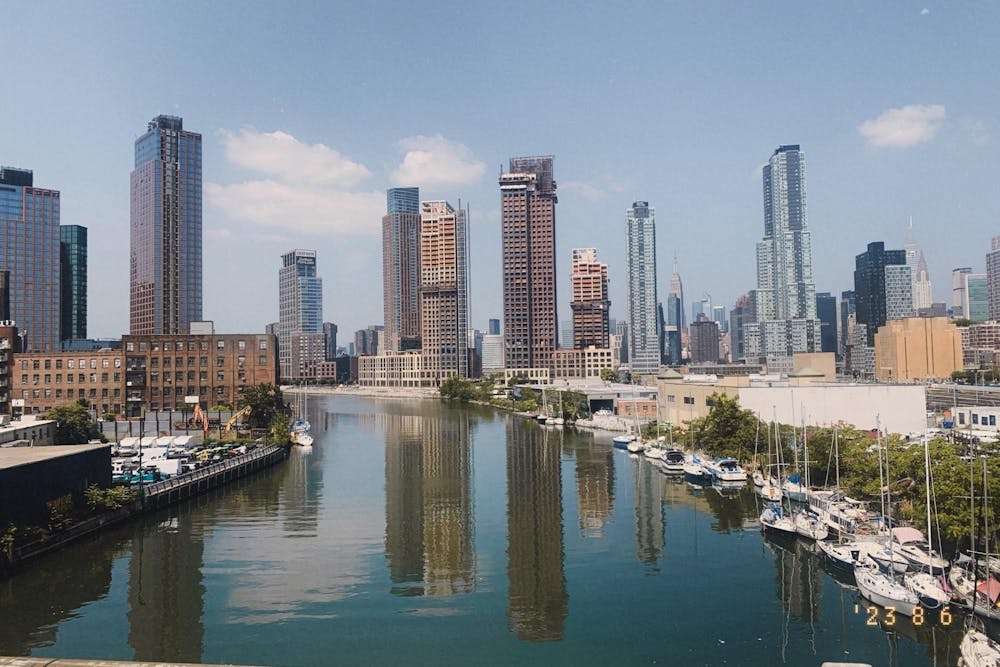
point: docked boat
(911, 544)
(884, 590)
(725, 470)
(928, 588)
(775, 519)
(693, 469)
(793, 490)
(673, 462)
(886, 558)
(810, 527)
(842, 555)
(654, 451)
(636, 446)
(770, 491)
(978, 650)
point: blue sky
(310, 110)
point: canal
(428, 533)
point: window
(975, 418)
(242, 376)
(24, 364)
(671, 398)
(154, 362)
(179, 376)
(156, 346)
(154, 377)
(48, 378)
(190, 361)
(221, 344)
(142, 346)
(81, 378)
(93, 363)
(220, 362)
(220, 376)
(129, 347)
(220, 391)
(34, 379)
(263, 343)
(241, 361)
(34, 364)
(118, 377)
(203, 362)
(82, 363)
(203, 346)
(24, 378)
(191, 346)
(105, 363)
(93, 378)
(104, 377)
(69, 378)
(48, 364)
(166, 362)
(167, 347)
(993, 420)
(179, 362)
(58, 364)
(242, 345)
(118, 362)
(58, 378)
(262, 360)
(70, 363)
(689, 400)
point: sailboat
(807, 523)
(978, 650)
(300, 433)
(880, 587)
(775, 517)
(769, 489)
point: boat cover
(905, 535)
(990, 588)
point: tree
(73, 423)
(266, 402)
(727, 430)
(609, 374)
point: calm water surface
(434, 534)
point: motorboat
(725, 470)
(839, 512)
(978, 650)
(673, 462)
(883, 590)
(809, 526)
(775, 519)
(693, 469)
(621, 441)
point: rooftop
(12, 457)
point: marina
(533, 544)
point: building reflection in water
(538, 600)
(428, 504)
(649, 532)
(595, 484)
(798, 577)
(165, 591)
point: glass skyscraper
(300, 306)
(29, 250)
(166, 263)
(401, 269)
(644, 332)
(73, 281)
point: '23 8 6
(888, 615)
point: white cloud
(925, 11)
(282, 156)
(302, 208)
(436, 161)
(595, 189)
(903, 127)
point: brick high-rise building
(528, 212)
(444, 301)
(590, 304)
(401, 269)
(165, 274)
(29, 250)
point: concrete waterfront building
(872, 276)
(785, 298)
(44, 380)
(401, 269)
(29, 251)
(958, 291)
(300, 309)
(73, 282)
(704, 341)
(975, 297)
(528, 219)
(165, 293)
(586, 363)
(643, 334)
(444, 299)
(590, 305)
(917, 349)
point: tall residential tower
(73, 281)
(444, 291)
(165, 269)
(590, 304)
(528, 212)
(644, 334)
(401, 269)
(301, 339)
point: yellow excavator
(243, 413)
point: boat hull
(868, 585)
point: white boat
(654, 451)
(910, 542)
(304, 440)
(978, 650)
(793, 490)
(621, 441)
(841, 555)
(775, 519)
(885, 591)
(758, 478)
(885, 557)
(673, 462)
(809, 526)
(928, 589)
(725, 470)
(636, 446)
(694, 470)
(840, 513)
(770, 491)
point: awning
(990, 588)
(905, 535)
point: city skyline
(282, 151)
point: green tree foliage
(574, 405)
(466, 390)
(73, 423)
(102, 500)
(279, 429)
(609, 374)
(727, 430)
(266, 402)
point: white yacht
(883, 590)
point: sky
(309, 111)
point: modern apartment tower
(785, 298)
(166, 262)
(875, 272)
(644, 334)
(993, 279)
(826, 311)
(29, 250)
(528, 214)
(401, 269)
(590, 304)
(300, 308)
(73, 282)
(444, 297)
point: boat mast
(836, 450)
(927, 488)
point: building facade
(920, 288)
(492, 354)
(590, 304)
(993, 279)
(870, 285)
(165, 293)
(528, 219)
(704, 341)
(300, 309)
(785, 298)
(958, 291)
(826, 311)
(586, 363)
(975, 297)
(917, 349)
(444, 299)
(330, 341)
(643, 332)
(73, 282)
(29, 251)
(44, 380)
(401, 269)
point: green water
(421, 533)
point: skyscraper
(330, 341)
(590, 304)
(704, 341)
(958, 296)
(300, 307)
(401, 269)
(871, 269)
(826, 311)
(921, 289)
(444, 299)
(494, 327)
(975, 305)
(29, 250)
(73, 281)
(644, 335)
(166, 263)
(785, 298)
(993, 279)
(676, 316)
(847, 316)
(528, 212)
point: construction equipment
(244, 413)
(200, 417)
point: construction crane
(200, 417)
(245, 412)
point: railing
(209, 471)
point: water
(435, 534)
